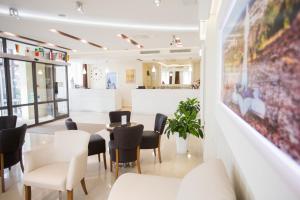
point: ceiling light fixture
(83, 41)
(9, 34)
(176, 41)
(77, 38)
(157, 2)
(53, 30)
(74, 50)
(83, 71)
(79, 6)
(14, 12)
(153, 69)
(50, 44)
(129, 40)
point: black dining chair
(151, 139)
(125, 147)
(11, 142)
(8, 122)
(115, 116)
(97, 144)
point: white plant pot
(181, 144)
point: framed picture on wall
(261, 70)
(130, 76)
(111, 80)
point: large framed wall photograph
(261, 70)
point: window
(46, 112)
(60, 82)
(3, 112)
(3, 97)
(21, 82)
(62, 108)
(44, 80)
(25, 115)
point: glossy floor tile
(99, 181)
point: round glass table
(110, 127)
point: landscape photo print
(261, 70)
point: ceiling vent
(150, 52)
(180, 51)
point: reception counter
(94, 100)
(164, 101)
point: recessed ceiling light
(129, 40)
(53, 30)
(50, 44)
(79, 7)
(74, 50)
(83, 41)
(105, 48)
(14, 12)
(157, 2)
(9, 34)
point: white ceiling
(102, 20)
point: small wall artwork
(130, 76)
(111, 80)
(261, 70)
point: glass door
(3, 96)
(45, 92)
(22, 91)
(61, 93)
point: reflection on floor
(98, 180)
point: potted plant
(184, 123)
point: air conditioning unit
(180, 51)
(150, 52)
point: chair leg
(99, 159)
(154, 150)
(27, 192)
(83, 185)
(138, 160)
(2, 172)
(117, 163)
(158, 149)
(104, 160)
(21, 162)
(70, 194)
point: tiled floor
(99, 180)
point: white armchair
(59, 166)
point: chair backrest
(69, 143)
(207, 181)
(70, 125)
(128, 137)
(160, 123)
(12, 139)
(8, 122)
(115, 116)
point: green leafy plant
(186, 120)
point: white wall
(250, 160)
(118, 66)
(160, 100)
